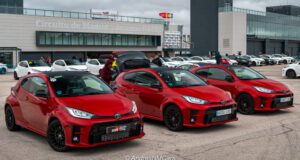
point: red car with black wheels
(177, 97)
(72, 109)
(251, 90)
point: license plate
(116, 129)
(224, 112)
(286, 99)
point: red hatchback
(72, 109)
(251, 90)
(177, 97)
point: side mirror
(229, 79)
(156, 86)
(41, 94)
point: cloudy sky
(146, 8)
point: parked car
(226, 60)
(72, 109)
(241, 60)
(3, 68)
(187, 66)
(277, 60)
(291, 71)
(251, 90)
(68, 65)
(177, 97)
(254, 60)
(94, 65)
(167, 62)
(204, 60)
(32, 66)
(268, 60)
(180, 60)
(286, 59)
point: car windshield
(73, 62)
(78, 85)
(180, 79)
(206, 58)
(37, 63)
(245, 73)
(197, 58)
(252, 56)
(166, 59)
(102, 61)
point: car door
(298, 69)
(22, 94)
(59, 65)
(38, 106)
(23, 69)
(93, 66)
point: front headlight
(194, 100)
(134, 107)
(263, 90)
(79, 114)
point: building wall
(20, 31)
(232, 33)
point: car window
(146, 79)
(93, 62)
(37, 84)
(26, 84)
(130, 77)
(245, 73)
(23, 64)
(203, 72)
(218, 74)
(60, 63)
(185, 67)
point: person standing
(106, 74)
(157, 61)
(218, 57)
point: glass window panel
(106, 40)
(89, 39)
(58, 38)
(98, 39)
(67, 38)
(75, 39)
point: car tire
(10, 120)
(245, 104)
(291, 74)
(254, 64)
(16, 76)
(173, 118)
(285, 62)
(56, 137)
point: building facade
(11, 6)
(60, 34)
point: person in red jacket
(106, 74)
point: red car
(251, 90)
(72, 109)
(177, 97)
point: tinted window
(146, 79)
(72, 62)
(37, 84)
(23, 64)
(78, 85)
(245, 73)
(94, 62)
(203, 72)
(60, 63)
(130, 77)
(26, 84)
(219, 74)
(37, 63)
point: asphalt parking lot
(263, 136)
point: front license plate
(116, 129)
(286, 99)
(224, 112)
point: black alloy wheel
(245, 104)
(290, 74)
(173, 118)
(56, 137)
(285, 62)
(10, 119)
(16, 76)
(254, 63)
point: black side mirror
(229, 79)
(156, 86)
(41, 94)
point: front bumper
(272, 102)
(208, 115)
(92, 133)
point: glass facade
(11, 6)
(267, 25)
(95, 39)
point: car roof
(66, 73)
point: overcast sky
(146, 8)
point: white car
(286, 59)
(68, 65)
(182, 60)
(3, 68)
(94, 65)
(204, 60)
(27, 67)
(255, 60)
(291, 71)
(167, 62)
(276, 59)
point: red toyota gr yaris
(251, 90)
(72, 109)
(177, 97)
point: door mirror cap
(229, 79)
(41, 94)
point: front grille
(277, 104)
(211, 115)
(99, 133)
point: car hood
(78, 67)
(208, 93)
(268, 84)
(41, 69)
(100, 105)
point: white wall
(20, 31)
(232, 33)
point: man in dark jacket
(218, 57)
(106, 74)
(157, 61)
